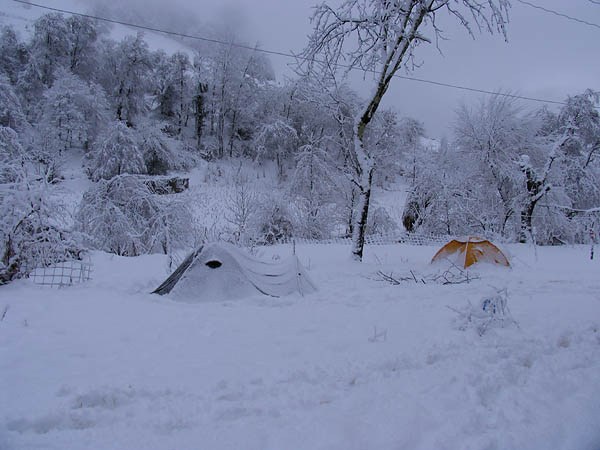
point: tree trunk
(360, 224)
(526, 216)
(181, 103)
(221, 135)
(232, 132)
(535, 190)
(200, 113)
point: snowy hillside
(22, 18)
(359, 364)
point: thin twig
(4, 311)
(413, 275)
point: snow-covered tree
(229, 81)
(381, 36)
(126, 76)
(32, 222)
(158, 150)
(241, 209)
(173, 86)
(12, 156)
(115, 152)
(48, 50)
(72, 111)
(274, 220)
(568, 179)
(411, 147)
(276, 141)
(123, 216)
(492, 137)
(50, 45)
(579, 122)
(12, 53)
(314, 187)
(83, 51)
(11, 113)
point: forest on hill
(70, 90)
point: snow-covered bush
(32, 222)
(241, 210)
(491, 311)
(380, 222)
(315, 188)
(116, 152)
(159, 151)
(11, 113)
(123, 216)
(275, 141)
(12, 156)
(274, 222)
(315, 223)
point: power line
(559, 14)
(284, 54)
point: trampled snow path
(106, 365)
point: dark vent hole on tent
(213, 264)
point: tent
(221, 271)
(470, 250)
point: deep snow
(360, 364)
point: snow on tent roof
(221, 271)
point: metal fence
(64, 273)
(408, 238)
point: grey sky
(546, 56)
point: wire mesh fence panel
(64, 273)
(404, 238)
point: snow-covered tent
(221, 271)
(471, 250)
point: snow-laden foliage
(32, 224)
(12, 53)
(513, 174)
(173, 86)
(274, 221)
(160, 152)
(255, 217)
(69, 89)
(276, 141)
(241, 210)
(72, 112)
(126, 76)
(116, 152)
(381, 37)
(123, 216)
(314, 188)
(11, 113)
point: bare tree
(380, 37)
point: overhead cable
(556, 13)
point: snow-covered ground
(361, 364)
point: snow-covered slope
(21, 17)
(359, 364)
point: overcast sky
(546, 56)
